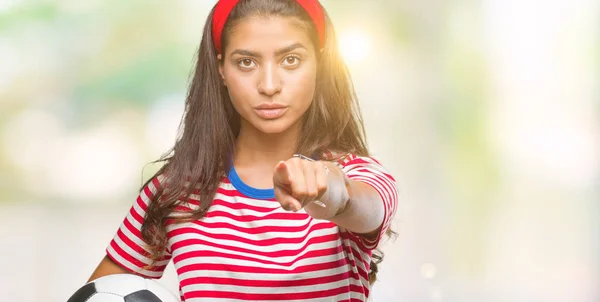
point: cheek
(240, 89)
(302, 89)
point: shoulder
(345, 159)
(338, 157)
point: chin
(273, 126)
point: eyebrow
(279, 52)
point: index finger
(282, 174)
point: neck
(253, 147)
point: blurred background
(487, 112)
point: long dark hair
(204, 149)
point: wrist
(343, 206)
(339, 189)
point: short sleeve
(127, 248)
(369, 171)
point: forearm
(355, 206)
(363, 212)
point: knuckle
(312, 193)
(300, 189)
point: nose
(270, 81)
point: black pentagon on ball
(142, 296)
(84, 293)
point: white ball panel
(160, 291)
(102, 297)
(120, 284)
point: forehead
(267, 34)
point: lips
(270, 111)
(270, 106)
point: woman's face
(270, 69)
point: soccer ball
(123, 288)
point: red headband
(224, 8)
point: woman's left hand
(298, 183)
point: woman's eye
(291, 61)
(246, 63)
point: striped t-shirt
(247, 248)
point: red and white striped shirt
(247, 248)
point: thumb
(283, 174)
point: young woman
(269, 192)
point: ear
(220, 61)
